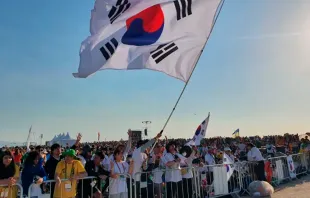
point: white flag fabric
(200, 133)
(161, 35)
(229, 165)
(291, 167)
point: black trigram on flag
(109, 48)
(163, 51)
(116, 11)
(183, 8)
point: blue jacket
(28, 174)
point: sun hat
(227, 149)
(70, 153)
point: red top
(17, 158)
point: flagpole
(195, 64)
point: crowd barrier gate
(206, 181)
(34, 188)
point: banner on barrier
(220, 180)
(291, 167)
(279, 169)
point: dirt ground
(299, 188)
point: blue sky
(253, 75)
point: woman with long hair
(33, 172)
(9, 174)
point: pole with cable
(195, 64)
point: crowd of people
(114, 164)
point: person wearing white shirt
(210, 161)
(157, 171)
(187, 171)
(173, 175)
(254, 155)
(270, 148)
(227, 150)
(139, 157)
(119, 168)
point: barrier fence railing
(121, 186)
(164, 183)
(196, 181)
(84, 187)
(300, 163)
(13, 191)
(219, 180)
(279, 169)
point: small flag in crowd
(236, 133)
(136, 34)
(200, 132)
(227, 161)
(28, 138)
(98, 136)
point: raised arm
(77, 142)
(151, 142)
(128, 145)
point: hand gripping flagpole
(195, 64)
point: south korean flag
(161, 35)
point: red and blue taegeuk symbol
(291, 166)
(144, 28)
(198, 130)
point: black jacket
(50, 167)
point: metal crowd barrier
(123, 183)
(300, 163)
(280, 169)
(219, 180)
(82, 190)
(11, 191)
(166, 183)
(46, 189)
(198, 182)
(188, 182)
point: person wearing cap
(69, 170)
(270, 148)
(254, 155)
(227, 150)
